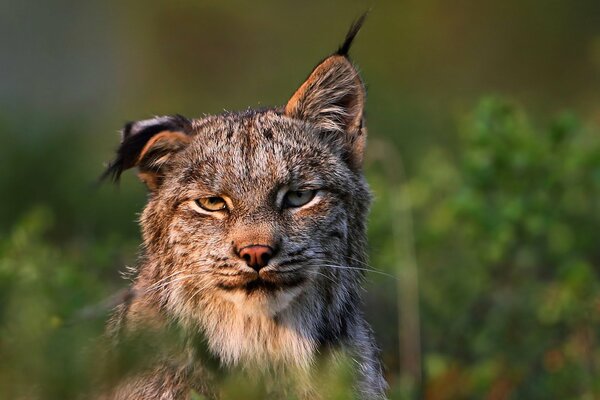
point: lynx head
(256, 209)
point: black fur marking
(262, 285)
(268, 134)
(298, 252)
(291, 261)
(336, 234)
(330, 335)
(345, 47)
(135, 135)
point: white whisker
(165, 284)
(322, 274)
(335, 266)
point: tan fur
(173, 138)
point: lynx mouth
(268, 283)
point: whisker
(200, 289)
(171, 275)
(164, 284)
(322, 274)
(359, 261)
(358, 269)
(363, 263)
(165, 278)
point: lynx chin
(253, 240)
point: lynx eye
(298, 198)
(213, 203)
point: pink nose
(256, 256)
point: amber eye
(298, 198)
(213, 203)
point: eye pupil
(298, 198)
(213, 203)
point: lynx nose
(256, 256)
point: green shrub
(510, 259)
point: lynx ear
(149, 145)
(333, 98)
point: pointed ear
(332, 97)
(149, 145)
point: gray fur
(189, 274)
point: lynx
(254, 237)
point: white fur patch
(261, 304)
(259, 331)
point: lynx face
(255, 207)
(252, 210)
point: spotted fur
(307, 300)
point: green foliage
(509, 258)
(42, 288)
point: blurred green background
(484, 161)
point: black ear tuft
(352, 32)
(135, 136)
(332, 100)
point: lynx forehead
(254, 230)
